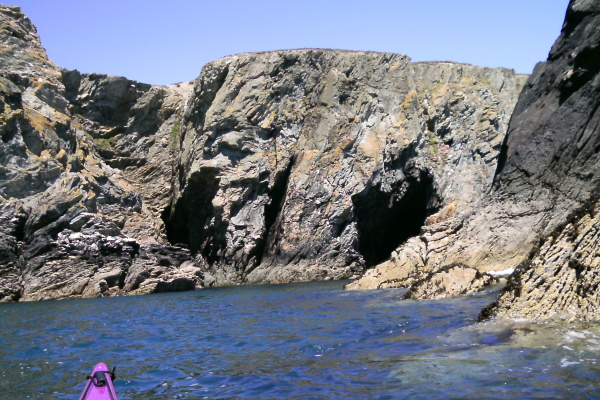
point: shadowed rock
(541, 216)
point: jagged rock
(301, 165)
(452, 280)
(11, 219)
(163, 269)
(91, 264)
(85, 161)
(312, 164)
(275, 167)
(410, 263)
(21, 50)
(77, 264)
(561, 279)
(548, 166)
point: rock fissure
(274, 209)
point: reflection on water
(291, 341)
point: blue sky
(163, 42)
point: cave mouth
(188, 221)
(385, 219)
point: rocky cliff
(314, 164)
(541, 216)
(550, 163)
(85, 161)
(274, 167)
(305, 165)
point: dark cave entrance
(189, 221)
(386, 219)
(273, 210)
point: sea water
(297, 341)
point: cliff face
(541, 216)
(305, 165)
(84, 163)
(314, 164)
(274, 167)
(551, 155)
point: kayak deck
(99, 385)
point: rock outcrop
(305, 165)
(552, 154)
(314, 164)
(411, 262)
(452, 280)
(85, 161)
(540, 217)
(560, 280)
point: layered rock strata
(85, 161)
(561, 278)
(452, 280)
(314, 164)
(302, 165)
(540, 217)
(552, 155)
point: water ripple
(289, 342)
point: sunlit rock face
(541, 216)
(85, 160)
(271, 167)
(305, 165)
(314, 164)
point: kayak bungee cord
(99, 384)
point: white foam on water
(593, 345)
(504, 272)
(571, 335)
(565, 362)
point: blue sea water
(297, 341)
